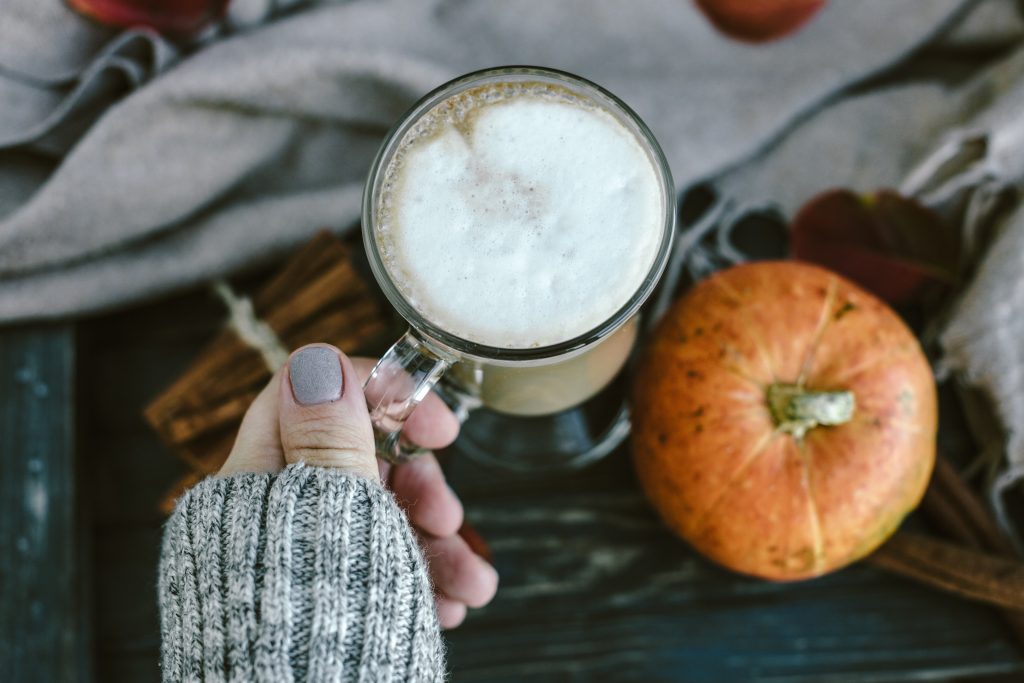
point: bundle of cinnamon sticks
(980, 563)
(318, 296)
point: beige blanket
(246, 146)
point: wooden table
(592, 587)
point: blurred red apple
(758, 21)
(179, 18)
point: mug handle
(397, 384)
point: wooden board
(44, 601)
(129, 358)
(592, 587)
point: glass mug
(523, 382)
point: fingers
(458, 573)
(257, 446)
(431, 425)
(323, 416)
(450, 613)
(421, 489)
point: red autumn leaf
(180, 18)
(891, 245)
(476, 542)
(759, 21)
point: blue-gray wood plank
(592, 587)
(44, 615)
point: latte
(519, 214)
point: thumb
(324, 421)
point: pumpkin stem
(797, 410)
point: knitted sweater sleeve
(309, 574)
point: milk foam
(519, 215)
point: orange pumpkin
(784, 420)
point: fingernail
(315, 375)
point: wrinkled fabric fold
(298, 106)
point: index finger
(431, 425)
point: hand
(333, 430)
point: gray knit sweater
(306, 575)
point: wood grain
(44, 615)
(593, 588)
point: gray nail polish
(316, 377)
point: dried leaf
(887, 243)
(759, 21)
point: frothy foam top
(519, 215)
